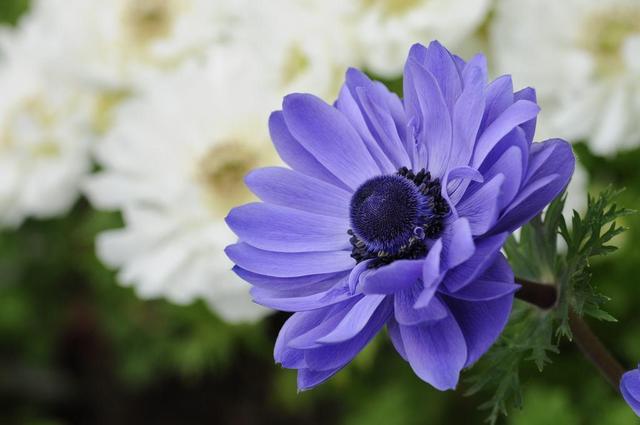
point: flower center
(148, 20)
(221, 172)
(31, 128)
(392, 216)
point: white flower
(387, 28)
(174, 163)
(583, 57)
(45, 133)
(300, 45)
(118, 43)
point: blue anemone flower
(630, 389)
(393, 214)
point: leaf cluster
(549, 250)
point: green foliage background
(75, 347)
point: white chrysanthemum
(45, 134)
(119, 42)
(387, 28)
(174, 163)
(299, 45)
(583, 57)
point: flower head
(386, 29)
(45, 132)
(590, 83)
(394, 213)
(173, 163)
(630, 389)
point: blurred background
(125, 129)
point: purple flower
(393, 213)
(630, 389)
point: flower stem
(541, 295)
(545, 297)
(594, 350)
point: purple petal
(460, 63)
(399, 275)
(292, 189)
(276, 228)
(284, 283)
(305, 299)
(482, 307)
(393, 328)
(549, 157)
(456, 182)
(297, 324)
(282, 264)
(294, 155)
(499, 271)
(630, 389)
(481, 206)
(439, 62)
(351, 109)
(307, 378)
(481, 322)
(544, 184)
(354, 321)
(499, 94)
(457, 243)
(516, 138)
(385, 128)
(382, 119)
(477, 62)
(336, 355)
(327, 135)
(484, 290)
(510, 166)
(436, 351)
(495, 282)
(433, 116)
(432, 273)
(485, 255)
(521, 111)
(335, 314)
(406, 313)
(467, 114)
(356, 275)
(529, 127)
(417, 53)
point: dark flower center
(393, 215)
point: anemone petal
(329, 138)
(437, 351)
(284, 264)
(516, 114)
(393, 277)
(288, 188)
(277, 228)
(481, 322)
(294, 154)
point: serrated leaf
(532, 335)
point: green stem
(545, 297)
(594, 350)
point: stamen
(393, 216)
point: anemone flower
(394, 213)
(630, 389)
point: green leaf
(532, 335)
